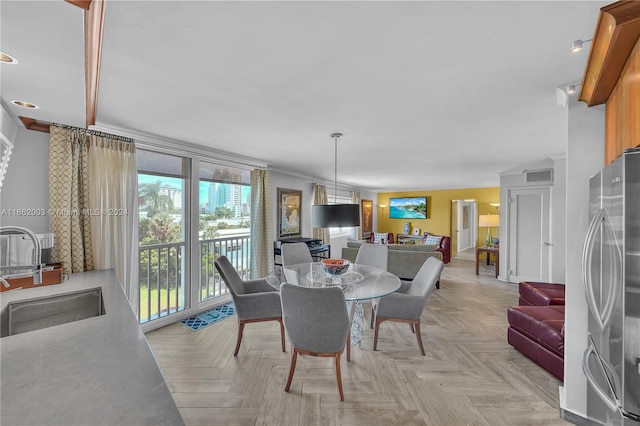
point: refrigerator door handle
(613, 404)
(616, 272)
(587, 257)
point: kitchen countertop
(96, 371)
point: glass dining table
(359, 283)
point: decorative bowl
(335, 266)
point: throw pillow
(379, 236)
(432, 239)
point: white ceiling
(429, 95)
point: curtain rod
(172, 146)
(95, 133)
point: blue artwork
(408, 208)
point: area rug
(209, 317)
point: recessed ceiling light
(24, 104)
(7, 59)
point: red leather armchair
(444, 247)
(536, 325)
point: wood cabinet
(611, 75)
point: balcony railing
(162, 274)
(237, 249)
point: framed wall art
(289, 212)
(367, 218)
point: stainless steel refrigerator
(611, 275)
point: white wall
(25, 190)
(585, 156)
(558, 218)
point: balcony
(164, 288)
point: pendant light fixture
(335, 215)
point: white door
(529, 254)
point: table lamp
(489, 220)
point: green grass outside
(164, 306)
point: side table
(489, 250)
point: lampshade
(335, 215)
(489, 220)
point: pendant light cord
(335, 137)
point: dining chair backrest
(426, 278)
(293, 253)
(229, 275)
(316, 319)
(376, 255)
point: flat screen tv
(408, 208)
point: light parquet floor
(469, 376)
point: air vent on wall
(538, 176)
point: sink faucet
(37, 263)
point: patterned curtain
(319, 198)
(262, 230)
(356, 233)
(113, 185)
(69, 200)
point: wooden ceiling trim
(33, 124)
(93, 32)
(615, 36)
(82, 4)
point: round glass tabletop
(360, 282)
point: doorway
(463, 225)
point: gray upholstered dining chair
(317, 323)
(293, 253)
(255, 300)
(408, 307)
(373, 255)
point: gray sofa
(404, 260)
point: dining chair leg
(240, 330)
(349, 346)
(339, 376)
(294, 357)
(419, 336)
(413, 330)
(375, 332)
(282, 334)
(373, 315)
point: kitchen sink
(43, 312)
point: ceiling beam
(33, 124)
(82, 4)
(93, 32)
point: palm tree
(149, 195)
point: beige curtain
(113, 186)
(262, 229)
(69, 200)
(355, 199)
(320, 198)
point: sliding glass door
(163, 189)
(224, 225)
(192, 211)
